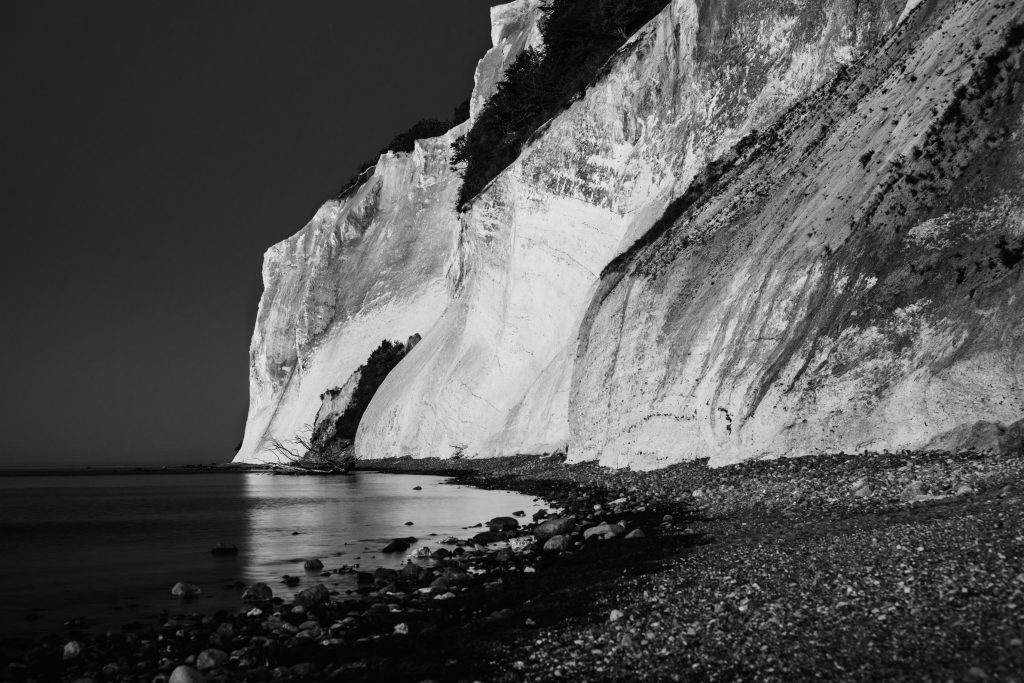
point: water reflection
(348, 520)
(109, 547)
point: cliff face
(493, 377)
(766, 229)
(850, 279)
(368, 267)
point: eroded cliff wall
(493, 377)
(367, 267)
(850, 279)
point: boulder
(313, 565)
(636, 533)
(72, 650)
(186, 674)
(503, 524)
(257, 593)
(603, 531)
(559, 526)
(185, 590)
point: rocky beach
(864, 567)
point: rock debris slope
(848, 278)
(369, 266)
(493, 377)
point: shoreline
(699, 587)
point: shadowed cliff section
(847, 279)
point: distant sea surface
(108, 548)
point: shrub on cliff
(405, 141)
(579, 37)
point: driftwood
(299, 455)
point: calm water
(109, 547)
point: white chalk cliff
(845, 278)
(369, 266)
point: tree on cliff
(579, 37)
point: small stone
(417, 488)
(636, 533)
(186, 674)
(396, 546)
(304, 670)
(615, 615)
(313, 565)
(668, 519)
(72, 650)
(603, 531)
(408, 523)
(211, 659)
(185, 590)
(257, 593)
(290, 581)
(518, 513)
(224, 549)
(912, 492)
(402, 629)
(316, 595)
(965, 490)
(863, 492)
(976, 673)
(559, 526)
(557, 544)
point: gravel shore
(867, 567)
(877, 567)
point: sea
(105, 549)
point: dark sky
(151, 152)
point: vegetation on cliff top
(579, 37)
(406, 140)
